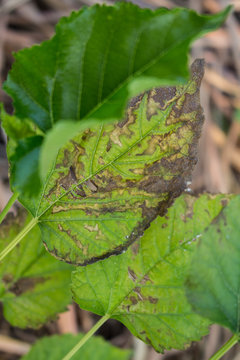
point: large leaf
(56, 347)
(112, 180)
(34, 286)
(213, 281)
(144, 287)
(99, 58)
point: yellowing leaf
(111, 181)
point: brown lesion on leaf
(75, 238)
(133, 300)
(13, 221)
(132, 275)
(137, 290)
(26, 284)
(152, 300)
(146, 279)
(162, 180)
(7, 279)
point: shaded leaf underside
(110, 182)
(34, 286)
(213, 285)
(144, 287)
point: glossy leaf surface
(34, 286)
(56, 347)
(144, 287)
(99, 58)
(112, 180)
(213, 281)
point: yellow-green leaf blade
(144, 287)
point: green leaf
(111, 181)
(34, 286)
(89, 68)
(99, 58)
(144, 287)
(213, 281)
(56, 347)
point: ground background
(26, 22)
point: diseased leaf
(111, 181)
(144, 287)
(56, 347)
(34, 286)
(99, 58)
(213, 280)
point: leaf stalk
(226, 347)
(87, 336)
(11, 201)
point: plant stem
(229, 344)
(18, 238)
(11, 201)
(86, 337)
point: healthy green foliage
(56, 347)
(144, 287)
(99, 58)
(120, 175)
(213, 281)
(34, 286)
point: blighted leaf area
(121, 176)
(34, 286)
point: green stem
(18, 238)
(229, 344)
(86, 337)
(11, 201)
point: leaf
(213, 280)
(99, 58)
(144, 287)
(34, 286)
(23, 147)
(56, 347)
(111, 181)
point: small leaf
(120, 176)
(213, 281)
(144, 287)
(99, 58)
(57, 346)
(34, 286)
